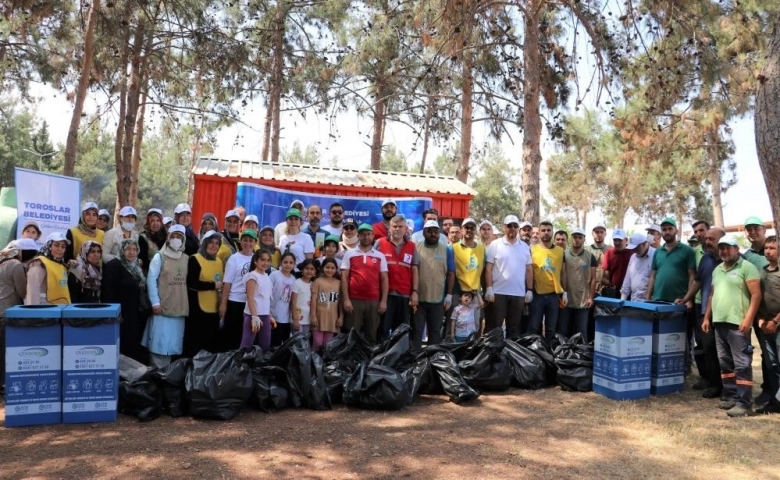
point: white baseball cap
(232, 213)
(598, 225)
(525, 224)
(636, 240)
(103, 212)
(511, 219)
(430, 224)
(23, 244)
(57, 237)
(620, 234)
(298, 202)
(90, 206)
(578, 231)
(485, 222)
(177, 229)
(128, 210)
(154, 210)
(167, 220)
(467, 221)
(252, 218)
(181, 208)
(389, 201)
(653, 228)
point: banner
(54, 201)
(271, 205)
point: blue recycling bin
(33, 358)
(90, 361)
(622, 349)
(670, 325)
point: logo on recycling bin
(637, 341)
(90, 351)
(34, 352)
(608, 338)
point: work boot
(712, 392)
(702, 384)
(740, 411)
(771, 407)
(727, 404)
(764, 398)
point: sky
(748, 197)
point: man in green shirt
(733, 304)
(674, 267)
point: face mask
(175, 243)
(129, 226)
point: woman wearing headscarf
(85, 275)
(204, 280)
(266, 243)
(153, 236)
(47, 274)
(112, 243)
(231, 234)
(13, 285)
(167, 283)
(208, 223)
(87, 229)
(124, 283)
(182, 215)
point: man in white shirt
(639, 268)
(507, 288)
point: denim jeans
(771, 349)
(766, 360)
(573, 319)
(545, 307)
(736, 369)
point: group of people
(184, 287)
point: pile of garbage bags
(388, 376)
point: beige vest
(173, 286)
(432, 273)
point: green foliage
(22, 143)
(496, 186)
(296, 155)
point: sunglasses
(513, 225)
(349, 228)
(337, 212)
(469, 227)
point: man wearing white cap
(485, 232)
(639, 268)
(281, 227)
(112, 242)
(655, 232)
(87, 229)
(598, 248)
(615, 264)
(182, 215)
(469, 256)
(430, 214)
(389, 210)
(580, 266)
(526, 232)
(733, 304)
(508, 279)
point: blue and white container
(669, 345)
(33, 358)
(90, 362)
(622, 350)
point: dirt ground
(518, 434)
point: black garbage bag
(306, 382)
(218, 385)
(335, 374)
(347, 346)
(429, 383)
(377, 387)
(574, 361)
(485, 367)
(253, 356)
(131, 369)
(538, 346)
(140, 398)
(171, 381)
(460, 350)
(270, 392)
(558, 340)
(450, 379)
(528, 369)
(394, 352)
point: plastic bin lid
(657, 307)
(34, 311)
(610, 302)
(91, 310)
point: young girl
(258, 320)
(463, 324)
(326, 315)
(282, 281)
(301, 295)
(330, 249)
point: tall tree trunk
(120, 127)
(379, 124)
(124, 183)
(427, 134)
(267, 129)
(532, 121)
(713, 161)
(466, 109)
(195, 151)
(72, 142)
(277, 76)
(137, 145)
(767, 121)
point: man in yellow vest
(47, 275)
(549, 278)
(469, 258)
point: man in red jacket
(401, 275)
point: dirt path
(519, 434)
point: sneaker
(727, 404)
(764, 398)
(771, 407)
(702, 384)
(740, 411)
(712, 392)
